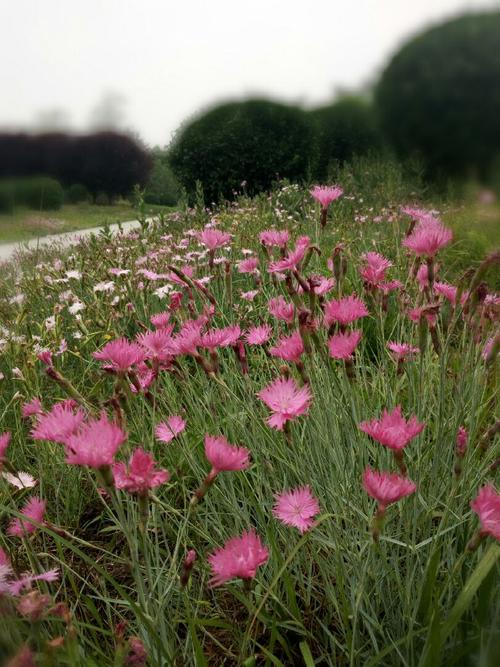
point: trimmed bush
(77, 194)
(440, 97)
(345, 129)
(162, 186)
(256, 141)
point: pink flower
(462, 440)
(323, 285)
(95, 444)
(214, 238)
(376, 266)
(16, 587)
(285, 400)
(33, 509)
(289, 348)
(281, 310)
(249, 265)
(140, 475)
(220, 337)
(188, 338)
(428, 237)
(401, 351)
(160, 320)
(487, 507)
(249, 296)
(386, 487)
(273, 237)
(33, 407)
(392, 430)
(292, 261)
(297, 507)
(325, 194)
(239, 557)
(390, 286)
(58, 424)
(258, 335)
(121, 354)
(157, 344)
(419, 214)
(342, 345)
(450, 292)
(4, 443)
(345, 310)
(416, 314)
(166, 431)
(223, 456)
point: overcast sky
(169, 58)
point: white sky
(169, 58)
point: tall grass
(328, 597)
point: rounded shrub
(344, 129)
(439, 97)
(39, 193)
(254, 141)
(78, 193)
(162, 186)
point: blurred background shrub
(39, 193)
(439, 97)
(254, 142)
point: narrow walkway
(67, 238)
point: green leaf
(306, 654)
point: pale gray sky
(169, 58)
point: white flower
(73, 274)
(50, 323)
(104, 287)
(76, 307)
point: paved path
(67, 238)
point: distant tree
(112, 163)
(345, 129)
(255, 141)
(440, 96)
(162, 187)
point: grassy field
(362, 583)
(26, 224)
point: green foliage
(345, 129)
(39, 193)
(255, 141)
(439, 97)
(102, 199)
(78, 193)
(162, 186)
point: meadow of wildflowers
(261, 435)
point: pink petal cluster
(373, 272)
(392, 430)
(140, 475)
(95, 444)
(58, 424)
(249, 265)
(462, 440)
(326, 194)
(157, 344)
(342, 345)
(160, 320)
(292, 261)
(274, 237)
(258, 335)
(214, 238)
(345, 310)
(428, 237)
(386, 487)
(166, 431)
(33, 407)
(289, 348)
(121, 355)
(33, 509)
(297, 508)
(285, 400)
(282, 310)
(487, 506)
(220, 337)
(238, 558)
(401, 351)
(225, 457)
